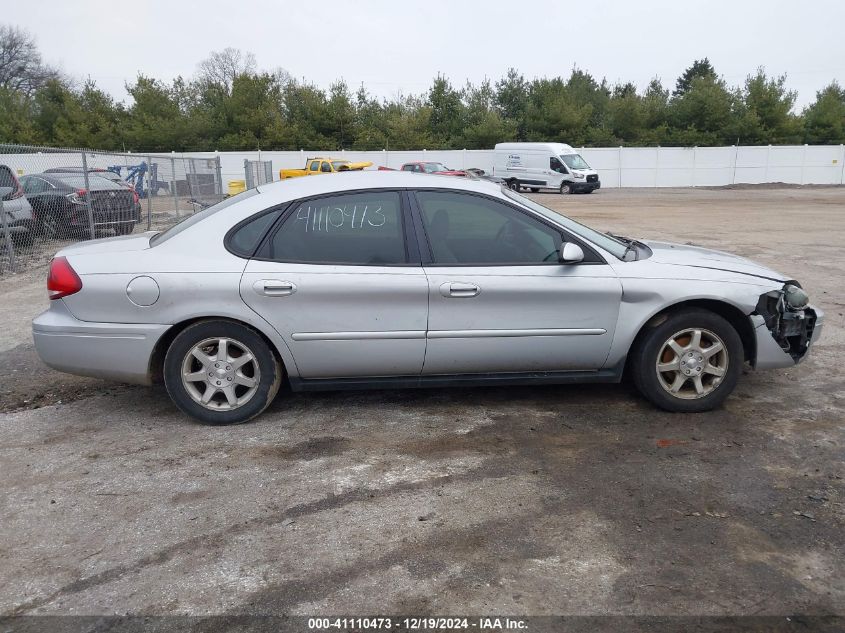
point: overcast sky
(395, 47)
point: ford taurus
(388, 279)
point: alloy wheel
(692, 363)
(220, 374)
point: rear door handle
(458, 289)
(274, 287)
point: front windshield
(608, 243)
(337, 164)
(430, 168)
(574, 161)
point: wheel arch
(156, 368)
(732, 314)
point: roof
(290, 189)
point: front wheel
(514, 185)
(220, 372)
(565, 188)
(688, 363)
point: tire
(514, 185)
(653, 350)
(124, 228)
(565, 188)
(535, 189)
(263, 369)
(589, 190)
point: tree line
(230, 104)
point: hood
(695, 256)
(122, 243)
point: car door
(558, 172)
(341, 283)
(499, 300)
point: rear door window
(357, 228)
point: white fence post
(736, 159)
(766, 173)
(620, 166)
(803, 162)
(842, 160)
(694, 162)
(657, 167)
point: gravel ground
(546, 500)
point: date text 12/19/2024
(418, 624)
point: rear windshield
(188, 222)
(96, 182)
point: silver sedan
(387, 279)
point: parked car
(318, 166)
(431, 167)
(537, 166)
(59, 204)
(388, 279)
(108, 174)
(480, 174)
(17, 211)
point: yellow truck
(317, 166)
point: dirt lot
(546, 500)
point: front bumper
(581, 186)
(770, 355)
(114, 351)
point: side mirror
(5, 191)
(571, 253)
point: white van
(538, 166)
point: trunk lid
(122, 243)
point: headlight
(795, 297)
(577, 175)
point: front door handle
(274, 287)
(458, 289)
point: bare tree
(221, 67)
(21, 67)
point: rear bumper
(114, 351)
(769, 354)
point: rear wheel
(688, 363)
(535, 189)
(220, 372)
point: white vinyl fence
(617, 166)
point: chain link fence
(50, 197)
(257, 172)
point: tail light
(135, 196)
(62, 279)
(77, 197)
